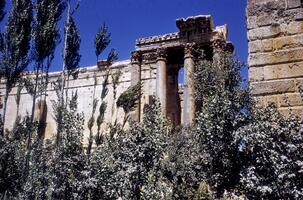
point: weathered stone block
(299, 14)
(294, 3)
(260, 46)
(252, 22)
(256, 74)
(294, 27)
(273, 87)
(297, 111)
(282, 71)
(284, 56)
(265, 20)
(292, 99)
(288, 42)
(264, 32)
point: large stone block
(294, 3)
(290, 99)
(282, 71)
(256, 74)
(277, 57)
(273, 87)
(297, 111)
(288, 42)
(260, 46)
(264, 32)
(252, 22)
(294, 27)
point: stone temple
(155, 62)
(275, 40)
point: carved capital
(135, 57)
(189, 49)
(161, 54)
(219, 45)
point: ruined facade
(275, 34)
(155, 62)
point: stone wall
(275, 35)
(84, 85)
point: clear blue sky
(131, 19)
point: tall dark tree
(224, 108)
(46, 37)
(2, 12)
(102, 40)
(71, 55)
(16, 45)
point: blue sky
(132, 19)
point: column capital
(161, 54)
(218, 45)
(135, 57)
(189, 49)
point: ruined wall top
(196, 29)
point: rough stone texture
(275, 36)
(155, 62)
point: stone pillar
(135, 78)
(161, 87)
(189, 107)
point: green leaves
(46, 34)
(72, 56)
(129, 99)
(102, 40)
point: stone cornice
(157, 39)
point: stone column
(189, 107)
(161, 87)
(135, 78)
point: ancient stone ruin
(275, 34)
(155, 62)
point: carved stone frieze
(149, 57)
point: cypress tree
(16, 45)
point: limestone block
(254, 46)
(264, 32)
(294, 3)
(282, 71)
(299, 84)
(284, 56)
(273, 87)
(288, 42)
(299, 14)
(252, 22)
(256, 74)
(266, 100)
(292, 99)
(265, 20)
(294, 27)
(297, 111)
(260, 46)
